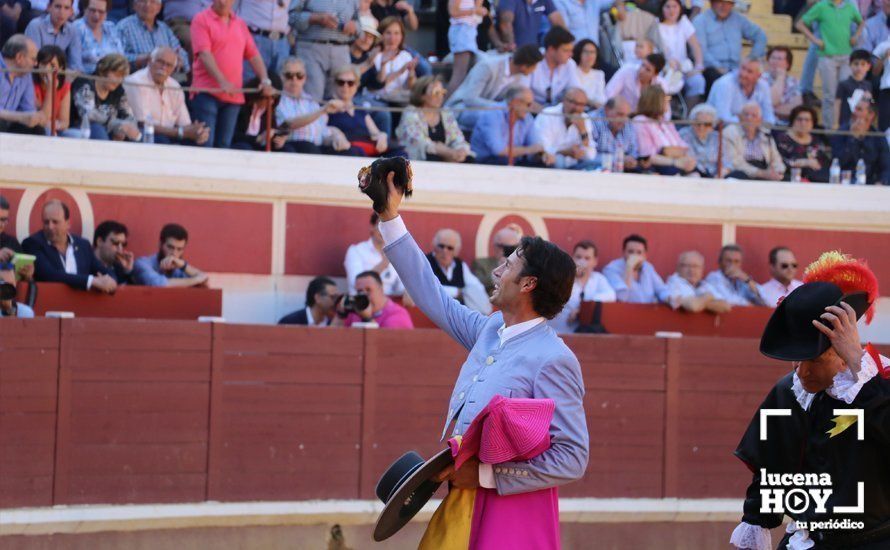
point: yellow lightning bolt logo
(841, 423)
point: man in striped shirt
(301, 115)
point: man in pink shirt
(382, 310)
(221, 42)
(783, 268)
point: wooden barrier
(134, 302)
(29, 369)
(647, 319)
(140, 411)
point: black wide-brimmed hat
(790, 334)
(405, 487)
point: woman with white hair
(702, 138)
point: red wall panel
(808, 244)
(318, 236)
(285, 413)
(133, 412)
(227, 236)
(29, 365)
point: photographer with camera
(371, 304)
(8, 305)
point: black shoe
(810, 100)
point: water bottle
(84, 127)
(148, 130)
(618, 164)
(834, 173)
(860, 172)
(606, 162)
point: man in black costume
(845, 501)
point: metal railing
(512, 119)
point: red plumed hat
(847, 273)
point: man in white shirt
(730, 282)
(687, 290)
(455, 274)
(557, 72)
(589, 286)
(566, 132)
(368, 255)
(782, 268)
(154, 95)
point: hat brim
(781, 346)
(419, 488)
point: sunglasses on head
(294, 76)
(786, 266)
(444, 246)
(341, 82)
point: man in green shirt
(835, 19)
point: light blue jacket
(534, 364)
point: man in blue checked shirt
(142, 32)
(513, 353)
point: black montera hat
(790, 335)
(405, 487)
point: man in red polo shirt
(221, 42)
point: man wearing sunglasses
(783, 269)
(455, 275)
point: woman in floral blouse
(98, 37)
(427, 132)
(103, 102)
(801, 149)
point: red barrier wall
(133, 302)
(138, 411)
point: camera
(7, 291)
(356, 303)
(372, 179)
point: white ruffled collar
(845, 386)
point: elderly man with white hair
(702, 138)
(154, 95)
(455, 274)
(566, 132)
(688, 290)
(749, 151)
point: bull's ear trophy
(372, 179)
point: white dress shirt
(474, 293)
(364, 256)
(165, 105)
(556, 80)
(596, 289)
(772, 290)
(71, 262)
(557, 135)
(680, 289)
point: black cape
(799, 444)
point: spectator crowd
(374, 293)
(580, 85)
